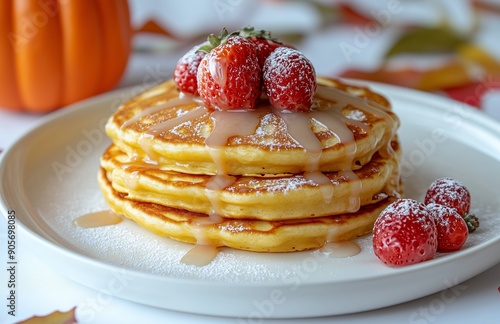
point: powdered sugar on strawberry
(229, 76)
(289, 80)
(185, 73)
(405, 233)
(452, 228)
(449, 192)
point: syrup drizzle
(152, 110)
(98, 219)
(337, 125)
(344, 99)
(217, 68)
(226, 124)
(146, 139)
(299, 128)
(131, 179)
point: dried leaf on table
(151, 26)
(53, 318)
(472, 94)
(427, 40)
(349, 15)
(487, 76)
(488, 6)
(453, 74)
(340, 12)
(405, 78)
(474, 54)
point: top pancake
(346, 126)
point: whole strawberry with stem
(405, 233)
(454, 194)
(452, 229)
(186, 69)
(229, 76)
(289, 80)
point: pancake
(348, 125)
(276, 197)
(244, 234)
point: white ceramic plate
(49, 179)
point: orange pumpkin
(55, 52)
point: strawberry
(229, 76)
(289, 79)
(452, 230)
(186, 70)
(451, 193)
(264, 48)
(263, 41)
(405, 233)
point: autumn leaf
(472, 94)
(341, 12)
(488, 6)
(151, 26)
(427, 40)
(53, 318)
(351, 16)
(404, 77)
(453, 74)
(471, 53)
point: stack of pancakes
(257, 180)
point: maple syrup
(98, 219)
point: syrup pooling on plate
(98, 219)
(340, 249)
(200, 255)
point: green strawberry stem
(214, 41)
(472, 222)
(248, 32)
(224, 35)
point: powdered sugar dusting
(405, 233)
(289, 79)
(449, 192)
(283, 184)
(356, 115)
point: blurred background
(447, 47)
